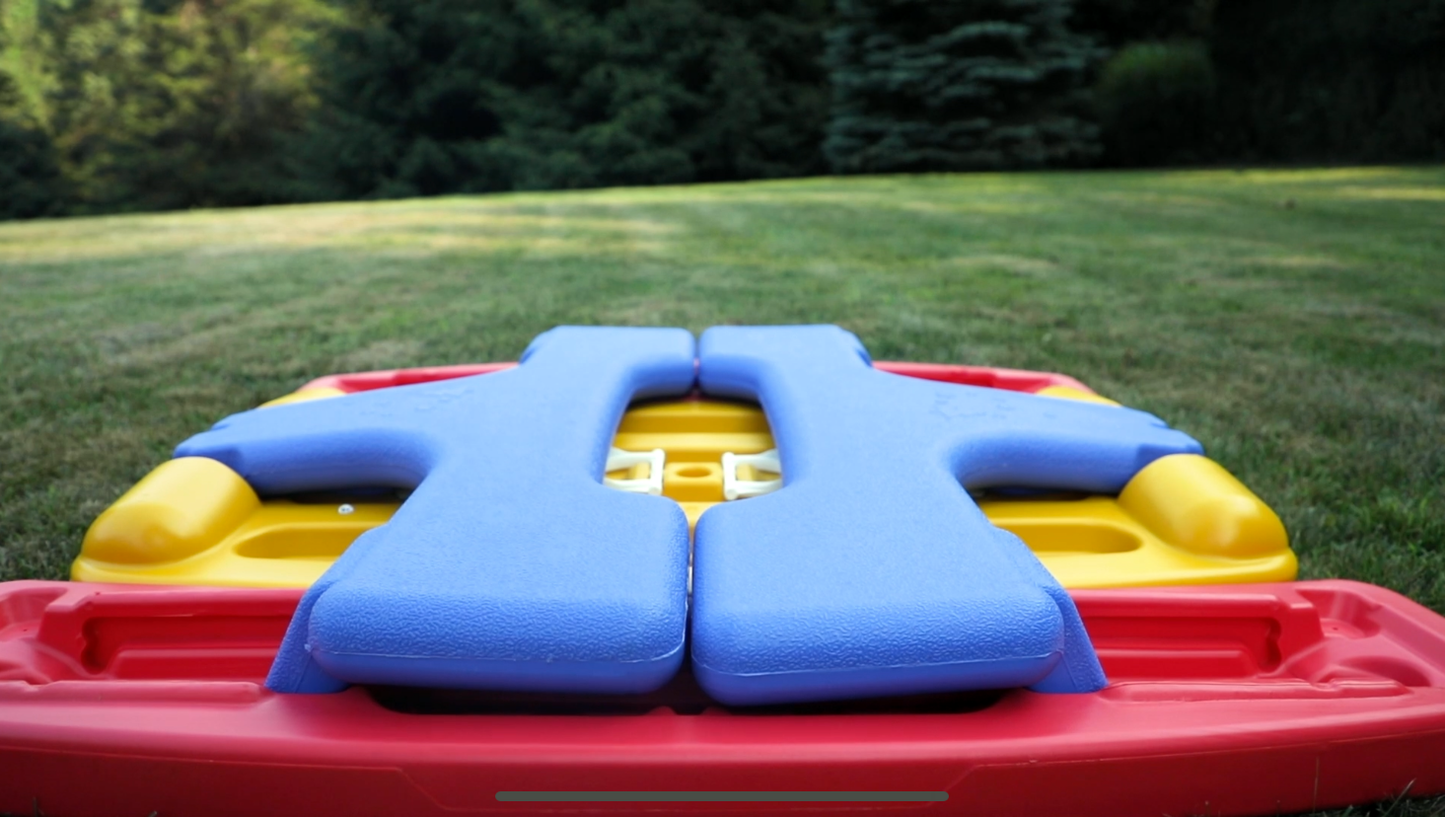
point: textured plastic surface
(1245, 700)
(872, 571)
(1084, 541)
(542, 580)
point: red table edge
(988, 376)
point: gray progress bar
(722, 796)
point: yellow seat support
(1181, 520)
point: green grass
(1292, 321)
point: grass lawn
(1292, 321)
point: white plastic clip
(618, 459)
(734, 488)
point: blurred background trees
(156, 104)
(110, 105)
(1324, 80)
(434, 96)
(958, 85)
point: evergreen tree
(410, 91)
(923, 85)
(446, 95)
(768, 92)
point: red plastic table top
(1255, 699)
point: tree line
(113, 105)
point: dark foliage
(1116, 24)
(1156, 102)
(157, 104)
(1332, 80)
(444, 95)
(30, 181)
(962, 84)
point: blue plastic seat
(872, 572)
(510, 566)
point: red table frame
(1257, 699)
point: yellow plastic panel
(1069, 393)
(1196, 504)
(1181, 520)
(307, 394)
(1096, 542)
(280, 544)
(178, 510)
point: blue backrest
(872, 571)
(510, 566)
